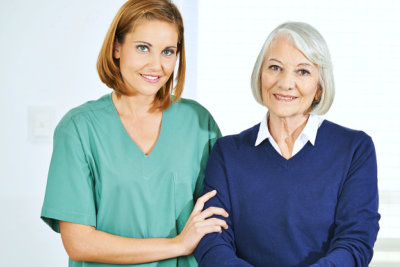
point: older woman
(127, 168)
(299, 190)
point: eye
(168, 52)
(142, 48)
(304, 72)
(274, 67)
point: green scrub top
(98, 176)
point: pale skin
(290, 83)
(147, 59)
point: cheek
(309, 89)
(128, 69)
(129, 62)
(265, 88)
(169, 65)
(265, 83)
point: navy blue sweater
(319, 208)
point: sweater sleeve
(218, 249)
(357, 214)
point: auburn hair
(124, 22)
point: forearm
(85, 243)
(338, 257)
(218, 249)
(357, 217)
(209, 255)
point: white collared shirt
(309, 133)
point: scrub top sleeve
(213, 134)
(70, 188)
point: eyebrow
(305, 64)
(150, 45)
(143, 42)
(273, 59)
(300, 64)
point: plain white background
(47, 66)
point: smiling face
(289, 81)
(147, 56)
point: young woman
(126, 168)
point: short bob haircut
(129, 15)
(311, 43)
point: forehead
(164, 30)
(284, 49)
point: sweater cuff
(220, 256)
(338, 257)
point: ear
(116, 49)
(318, 94)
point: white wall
(48, 52)
(48, 55)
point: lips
(150, 78)
(285, 98)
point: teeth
(285, 97)
(150, 77)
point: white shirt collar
(263, 132)
(309, 132)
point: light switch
(40, 123)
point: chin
(149, 91)
(287, 114)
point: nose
(155, 62)
(286, 81)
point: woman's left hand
(199, 224)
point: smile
(284, 98)
(151, 78)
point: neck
(134, 106)
(285, 130)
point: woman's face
(148, 56)
(289, 81)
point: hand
(198, 224)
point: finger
(203, 199)
(212, 229)
(218, 222)
(211, 211)
(209, 229)
(211, 222)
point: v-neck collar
(160, 137)
(275, 155)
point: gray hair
(311, 43)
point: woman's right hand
(199, 224)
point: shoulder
(79, 116)
(338, 134)
(244, 139)
(190, 106)
(190, 112)
(336, 129)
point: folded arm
(357, 212)
(218, 249)
(85, 243)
